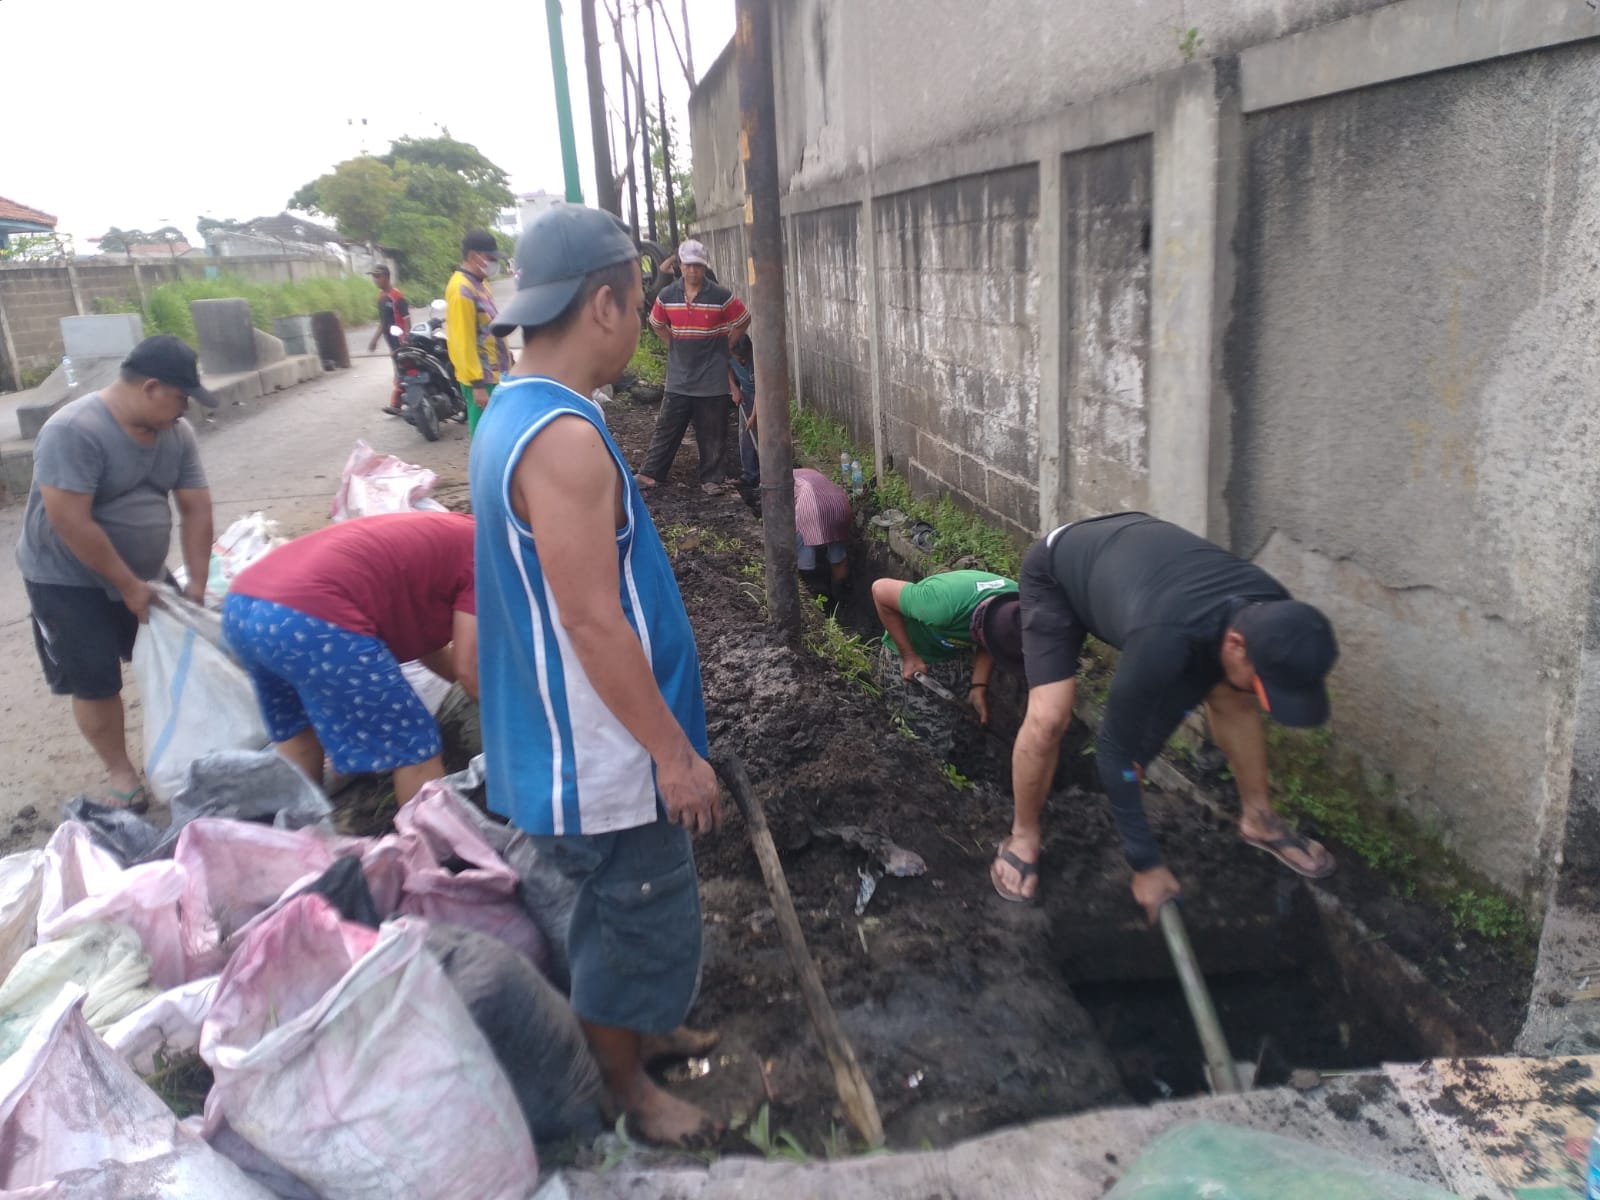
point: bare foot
(658, 1116)
(1018, 884)
(1301, 855)
(682, 1042)
(645, 482)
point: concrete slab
(22, 413)
(226, 336)
(110, 335)
(277, 376)
(1073, 1158)
(1564, 1010)
(269, 349)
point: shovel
(949, 697)
(1219, 1061)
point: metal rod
(558, 72)
(758, 142)
(1224, 1073)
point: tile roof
(10, 210)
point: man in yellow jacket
(478, 357)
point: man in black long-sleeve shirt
(1195, 625)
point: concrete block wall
(34, 299)
(1328, 298)
(959, 280)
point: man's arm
(567, 488)
(886, 599)
(1146, 673)
(659, 323)
(196, 533)
(71, 515)
(464, 628)
(978, 693)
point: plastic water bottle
(844, 467)
(856, 478)
(66, 366)
(1592, 1190)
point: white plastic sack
(381, 483)
(166, 1024)
(21, 886)
(344, 1055)
(83, 883)
(196, 698)
(78, 1124)
(101, 957)
(431, 689)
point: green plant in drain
(955, 778)
(784, 1145)
(1189, 43)
(849, 653)
(1487, 914)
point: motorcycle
(428, 391)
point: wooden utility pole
(644, 129)
(763, 231)
(666, 134)
(604, 181)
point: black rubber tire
(419, 408)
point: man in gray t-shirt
(106, 469)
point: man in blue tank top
(594, 726)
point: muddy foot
(682, 1042)
(661, 1118)
(1295, 851)
(1015, 870)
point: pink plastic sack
(483, 896)
(77, 1124)
(233, 872)
(168, 1024)
(381, 483)
(344, 1055)
(84, 883)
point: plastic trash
(84, 883)
(346, 1056)
(922, 535)
(168, 1024)
(431, 689)
(196, 698)
(896, 860)
(21, 887)
(246, 785)
(104, 959)
(345, 887)
(531, 1028)
(381, 483)
(889, 518)
(78, 1124)
(1226, 1162)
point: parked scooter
(428, 391)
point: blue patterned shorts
(347, 686)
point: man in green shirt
(930, 626)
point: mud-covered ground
(967, 1012)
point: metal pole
(605, 187)
(764, 235)
(688, 48)
(666, 134)
(644, 129)
(1224, 1074)
(558, 72)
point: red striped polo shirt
(697, 357)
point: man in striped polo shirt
(594, 724)
(699, 320)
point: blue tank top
(557, 761)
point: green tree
(682, 179)
(35, 247)
(460, 158)
(358, 194)
(117, 241)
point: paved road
(286, 460)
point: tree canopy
(118, 241)
(418, 199)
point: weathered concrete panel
(1106, 341)
(1415, 445)
(832, 318)
(957, 277)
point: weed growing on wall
(351, 296)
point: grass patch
(351, 296)
(649, 361)
(182, 1081)
(851, 654)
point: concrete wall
(1327, 293)
(34, 299)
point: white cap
(692, 251)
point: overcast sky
(158, 112)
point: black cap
(479, 241)
(565, 244)
(1000, 630)
(1292, 647)
(168, 360)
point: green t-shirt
(938, 611)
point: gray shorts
(634, 940)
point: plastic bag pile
(378, 1013)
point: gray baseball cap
(565, 243)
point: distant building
(297, 236)
(19, 218)
(531, 204)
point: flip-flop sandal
(134, 800)
(1022, 868)
(1292, 841)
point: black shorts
(83, 637)
(1052, 635)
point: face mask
(491, 268)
